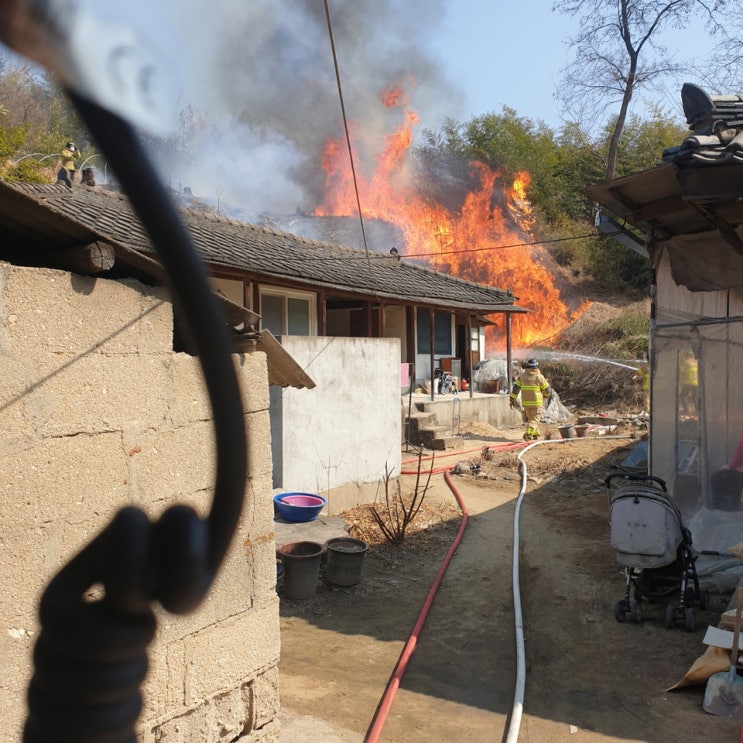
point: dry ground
(589, 678)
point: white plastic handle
(109, 61)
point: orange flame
(480, 242)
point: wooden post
(411, 341)
(432, 338)
(322, 313)
(509, 358)
(468, 331)
(93, 258)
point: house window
(441, 332)
(288, 313)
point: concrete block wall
(97, 412)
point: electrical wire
(510, 245)
(462, 251)
(195, 302)
(345, 125)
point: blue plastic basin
(299, 506)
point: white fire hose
(518, 697)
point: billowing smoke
(261, 98)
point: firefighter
(69, 154)
(642, 377)
(689, 379)
(533, 389)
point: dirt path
(589, 677)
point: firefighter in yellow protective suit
(643, 378)
(533, 389)
(689, 379)
(70, 155)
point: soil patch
(586, 672)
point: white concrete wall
(97, 412)
(455, 412)
(340, 435)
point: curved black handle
(636, 478)
(91, 656)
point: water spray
(566, 355)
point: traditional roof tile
(66, 217)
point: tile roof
(690, 206)
(55, 213)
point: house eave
(693, 211)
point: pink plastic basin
(302, 500)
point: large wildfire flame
(467, 243)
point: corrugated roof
(694, 211)
(676, 199)
(68, 217)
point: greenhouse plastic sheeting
(697, 421)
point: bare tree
(618, 51)
(725, 70)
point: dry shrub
(606, 334)
(609, 332)
(396, 514)
(593, 384)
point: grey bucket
(301, 561)
(567, 432)
(345, 560)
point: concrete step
(422, 430)
(417, 423)
(438, 438)
(426, 433)
(445, 442)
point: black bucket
(345, 560)
(301, 562)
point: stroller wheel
(635, 612)
(670, 616)
(620, 610)
(704, 599)
(689, 619)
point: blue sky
(511, 54)
(503, 54)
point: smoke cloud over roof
(260, 96)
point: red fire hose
(380, 716)
(505, 446)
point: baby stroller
(445, 383)
(651, 541)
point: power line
(345, 125)
(379, 254)
(511, 245)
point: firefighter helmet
(532, 364)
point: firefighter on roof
(70, 155)
(533, 389)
